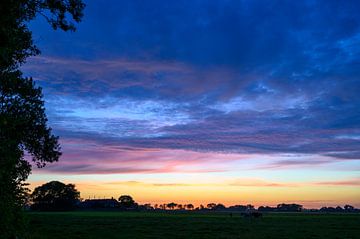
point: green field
(191, 225)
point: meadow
(90, 224)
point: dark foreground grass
(191, 225)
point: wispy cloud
(353, 182)
(246, 182)
(194, 87)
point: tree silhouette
(189, 206)
(171, 205)
(23, 123)
(289, 207)
(348, 208)
(126, 201)
(55, 196)
(211, 206)
(267, 209)
(250, 207)
(220, 206)
(147, 206)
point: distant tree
(201, 207)
(238, 208)
(126, 201)
(267, 209)
(55, 196)
(262, 209)
(250, 207)
(189, 206)
(327, 209)
(144, 207)
(23, 123)
(180, 207)
(289, 207)
(171, 205)
(211, 206)
(339, 209)
(219, 206)
(349, 208)
(148, 206)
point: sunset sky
(230, 102)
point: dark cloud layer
(219, 76)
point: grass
(191, 225)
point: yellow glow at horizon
(307, 195)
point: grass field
(191, 225)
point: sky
(230, 102)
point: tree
(219, 206)
(16, 38)
(349, 208)
(267, 209)
(171, 205)
(239, 208)
(23, 123)
(339, 209)
(289, 207)
(147, 206)
(211, 206)
(55, 196)
(126, 201)
(189, 206)
(250, 207)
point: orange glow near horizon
(255, 192)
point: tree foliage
(126, 201)
(15, 37)
(23, 122)
(289, 207)
(55, 196)
(171, 205)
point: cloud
(240, 182)
(301, 162)
(353, 182)
(259, 183)
(137, 183)
(253, 182)
(238, 132)
(81, 157)
(205, 78)
(128, 78)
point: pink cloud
(82, 157)
(349, 182)
(249, 182)
(114, 74)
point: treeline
(57, 196)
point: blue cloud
(225, 76)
